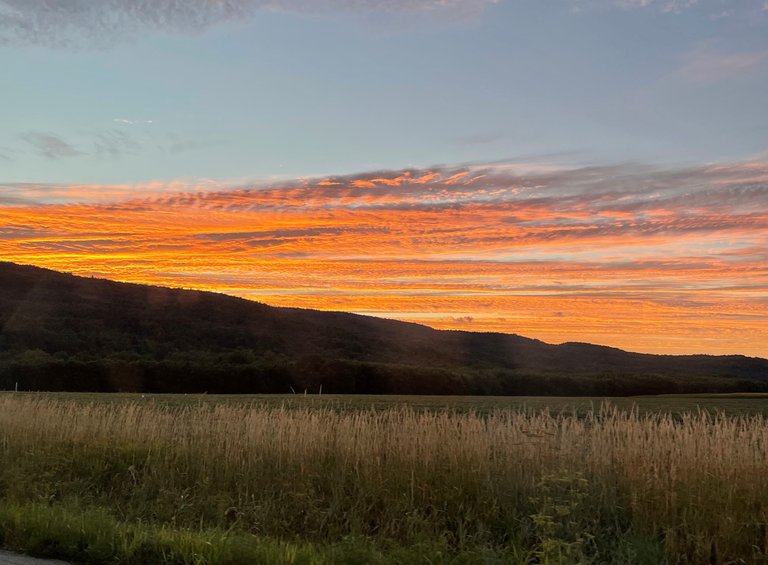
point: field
(327, 479)
(731, 404)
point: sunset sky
(568, 170)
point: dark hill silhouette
(63, 332)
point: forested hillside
(62, 332)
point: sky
(568, 170)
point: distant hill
(62, 332)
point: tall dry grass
(566, 488)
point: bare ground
(7, 558)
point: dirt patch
(7, 558)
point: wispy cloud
(88, 22)
(107, 143)
(635, 256)
(127, 122)
(114, 143)
(49, 194)
(177, 143)
(669, 6)
(710, 8)
(49, 145)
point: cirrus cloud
(50, 145)
(72, 23)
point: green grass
(92, 536)
(294, 479)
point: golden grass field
(221, 482)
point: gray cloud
(6, 200)
(671, 6)
(258, 237)
(711, 9)
(544, 202)
(115, 143)
(568, 204)
(21, 232)
(106, 143)
(87, 22)
(49, 145)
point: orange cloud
(672, 261)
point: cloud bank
(650, 259)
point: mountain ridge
(65, 332)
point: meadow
(310, 479)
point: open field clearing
(735, 404)
(125, 479)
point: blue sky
(131, 92)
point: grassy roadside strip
(92, 536)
